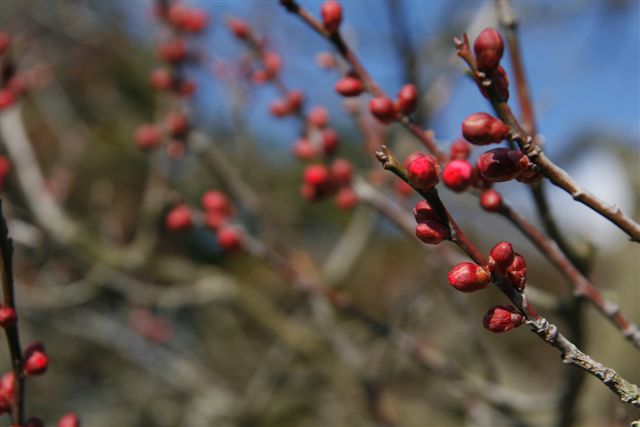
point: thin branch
(534, 152)
(625, 390)
(11, 331)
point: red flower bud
(172, 51)
(488, 48)
(468, 277)
(69, 420)
(457, 175)
(318, 117)
(213, 220)
(349, 86)
(502, 164)
(35, 361)
(304, 150)
(483, 129)
(239, 28)
(382, 109)
(317, 176)
(272, 63)
(195, 20)
(179, 218)
(279, 108)
(346, 198)
(7, 392)
(177, 124)
(423, 172)
(423, 211)
(501, 256)
(5, 41)
(460, 150)
(407, 99)
(147, 136)
(8, 317)
(216, 201)
(161, 79)
(411, 157)
(502, 318)
(342, 171)
(229, 238)
(431, 231)
(491, 200)
(295, 98)
(517, 272)
(500, 82)
(331, 12)
(329, 141)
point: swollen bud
(349, 86)
(229, 238)
(69, 420)
(488, 48)
(407, 99)
(457, 175)
(431, 231)
(35, 359)
(8, 317)
(484, 129)
(331, 12)
(502, 164)
(382, 109)
(502, 319)
(460, 150)
(491, 200)
(468, 277)
(423, 172)
(179, 218)
(517, 272)
(501, 256)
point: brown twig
(625, 390)
(11, 331)
(534, 152)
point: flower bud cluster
(216, 213)
(430, 227)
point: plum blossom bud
(349, 86)
(8, 316)
(460, 150)
(407, 99)
(331, 12)
(423, 172)
(468, 277)
(484, 129)
(457, 175)
(488, 48)
(431, 231)
(491, 200)
(517, 272)
(179, 218)
(501, 256)
(382, 109)
(502, 164)
(346, 198)
(502, 319)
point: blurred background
(149, 327)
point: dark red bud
(172, 51)
(69, 420)
(317, 176)
(331, 12)
(318, 117)
(346, 198)
(177, 124)
(304, 150)
(8, 317)
(458, 175)
(502, 164)
(431, 231)
(483, 129)
(502, 319)
(342, 171)
(382, 109)
(295, 98)
(460, 150)
(517, 272)
(239, 28)
(147, 136)
(161, 79)
(488, 48)
(279, 108)
(501, 256)
(423, 211)
(229, 238)
(35, 363)
(179, 218)
(216, 201)
(329, 141)
(491, 200)
(349, 86)
(407, 99)
(423, 172)
(468, 277)
(500, 83)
